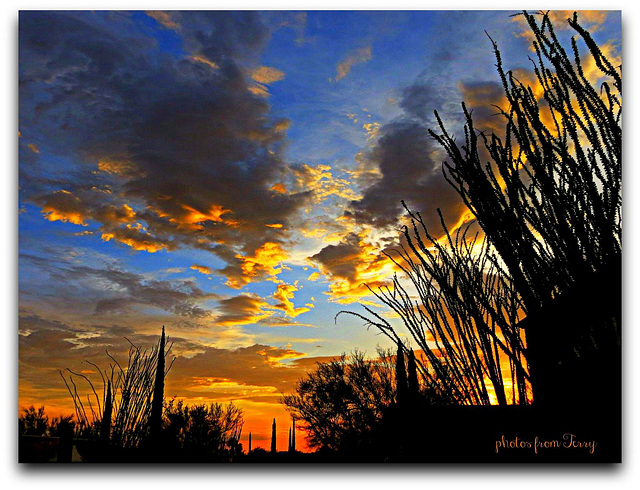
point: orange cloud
(591, 71)
(244, 309)
(64, 206)
(136, 237)
(279, 188)
(372, 129)
(115, 167)
(267, 75)
(263, 76)
(485, 99)
(266, 261)
(320, 180)
(351, 265)
(214, 214)
(202, 269)
(590, 19)
(361, 55)
(202, 59)
(314, 276)
(113, 214)
(163, 18)
(284, 295)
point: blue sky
(233, 176)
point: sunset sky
(234, 177)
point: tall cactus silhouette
(249, 443)
(293, 436)
(273, 436)
(158, 393)
(401, 377)
(105, 423)
(412, 376)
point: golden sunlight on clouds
(64, 206)
(114, 167)
(267, 75)
(274, 355)
(203, 269)
(243, 310)
(202, 59)
(280, 188)
(590, 19)
(351, 265)
(321, 181)
(113, 214)
(284, 295)
(136, 237)
(264, 76)
(360, 55)
(591, 71)
(266, 261)
(163, 18)
(214, 214)
(372, 129)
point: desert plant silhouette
(124, 411)
(549, 205)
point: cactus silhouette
(401, 377)
(158, 393)
(412, 376)
(273, 436)
(105, 423)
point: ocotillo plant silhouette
(132, 387)
(551, 200)
(549, 204)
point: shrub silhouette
(201, 433)
(343, 404)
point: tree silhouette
(201, 433)
(340, 402)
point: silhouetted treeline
(129, 421)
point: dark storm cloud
(181, 140)
(221, 35)
(410, 170)
(341, 259)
